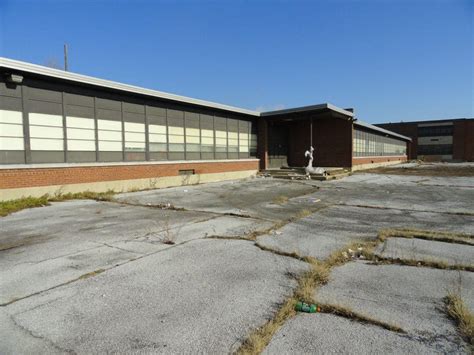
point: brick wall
(34, 177)
(376, 160)
(463, 140)
(332, 141)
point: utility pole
(65, 57)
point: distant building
(438, 140)
(66, 132)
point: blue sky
(390, 60)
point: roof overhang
(381, 130)
(83, 79)
(294, 113)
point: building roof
(427, 121)
(84, 79)
(381, 130)
(320, 107)
(17, 65)
(89, 80)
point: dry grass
(91, 274)
(462, 316)
(280, 200)
(427, 170)
(346, 312)
(435, 264)
(307, 283)
(303, 213)
(11, 206)
(447, 237)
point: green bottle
(304, 307)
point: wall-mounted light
(15, 78)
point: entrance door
(277, 146)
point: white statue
(309, 169)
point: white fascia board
(79, 78)
(375, 128)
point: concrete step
(299, 174)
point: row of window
(433, 131)
(370, 144)
(435, 149)
(52, 133)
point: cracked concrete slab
(75, 239)
(203, 295)
(409, 297)
(418, 249)
(400, 192)
(257, 198)
(334, 227)
(328, 334)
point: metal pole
(65, 57)
(311, 132)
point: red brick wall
(17, 178)
(463, 140)
(370, 160)
(332, 141)
(262, 143)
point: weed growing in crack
(457, 310)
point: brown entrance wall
(332, 141)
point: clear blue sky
(390, 60)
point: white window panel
(80, 145)
(221, 141)
(221, 134)
(192, 131)
(207, 133)
(157, 138)
(233, 135)
(153, 128)
(110, 136)
(46, 144)
(110, 146)
(243, 149)
(109, 125)
(134, 127)
(134, 137)
(176, 139)
(233, 142)
(80, 122)
(45, 120)
(194, 140)
(77, 133)
(244, 136)
(7, 116)
(11, 143)
(176, 130)
(11, 130)
(207, 141)
(134, 145)
(46, 132)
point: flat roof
(379, 129)
(89, 80)
(429, 121)
(325, 106)
(84, 79)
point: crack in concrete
(36, 336)
(405, 209)
(118, 248)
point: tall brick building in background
(438, 140)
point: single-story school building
(63, 132)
